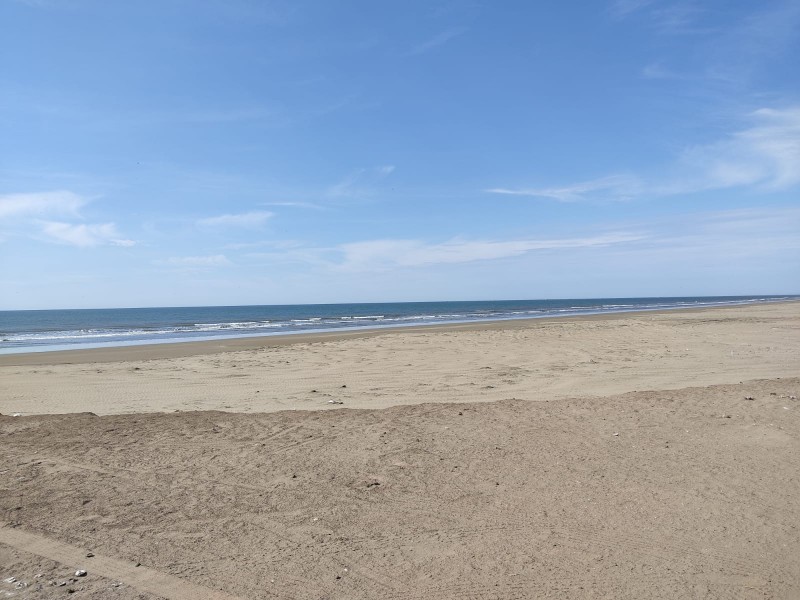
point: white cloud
(764, 156)
(37, 215)
(380, 254)
(84, 235)
(40, 204)
(216, 260)
(620, 186)
(250, 219)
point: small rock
(616, 435)
(62, 583)
(80, 573)
(749, 398)
(344, 386)
(89, 555)
(10, 580)
(792, 397)
(16, 415)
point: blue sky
(193, 152)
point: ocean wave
(287, 320)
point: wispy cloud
(618, 186)
(41, 203)
(295, 204)
(84, 235)
(44, 3)
(275, 244)
(659, 71)
(229, 115)
(764, 156)
(360, 182)
(679, 19)
(623, 8)
(252, 219)
(440, 39)
(767, 235)
(739, 54)
(383, 254)
(673, 18)
(194, 262)
(730, 48)
(40, 215)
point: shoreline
(184, 349)
(533, 360)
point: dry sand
(531, 360)
(580, 487)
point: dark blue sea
(45, 330)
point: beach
(636, 455)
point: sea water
(44, 330)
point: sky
(231, 152)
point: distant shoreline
(185, 348)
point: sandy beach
(643, 455)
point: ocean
(47, 330)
